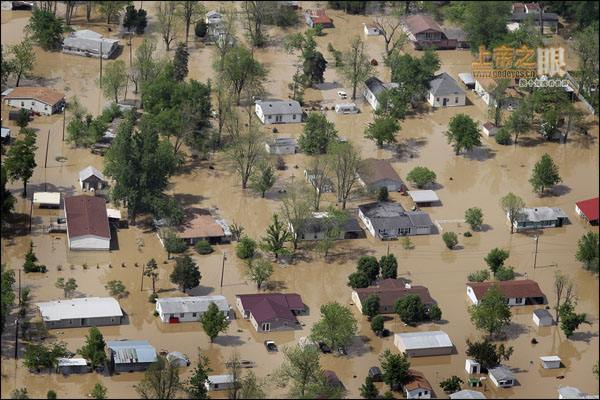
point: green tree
(317, 134)
(389, 266)
(336, 327)
(519, 121)
(23, 117)
(544, 174)
(45, 29)
(246, 248)
(479, 276)
(263, 179)
(240, 70)
(114, 80)
(7, 68)
(498, 96)
(98, 392)
(214, 321)
(19, 393)
(201, 29)
(586, 47)
(450, 239)
(251, 387)
(492, 313)
(174, 244)
(463, 133)
(421, 176)
(503, 136)
(40, 356)
(395, 369)
(111, 9)
(410, 308)
(151, 271)
(186, 274)
(394, 103)
(452, 384)
(190, 11)
(495, 259)
(596, 369)
(145, 68)
(161, 381)
(487, 353)
(30, 264)
(587, 251)
(411, 73)
(23, 61)
(569, 320)
(356, 66)
(8, 200)
(203, 247)
(314, 67)
(344, 161)
(378, 323)
(180, 62)
(259, 271)
(368, 390)
(277, 235)
(67, 286)
(382, 130)
(485, 24)
(383, 194)
(474, 217)
(116, 288)
(370, 306)
(20, 159)
(358, 280)
(434, 313)
(505, 274)
(512, 205)
(51, 394)
(7, 294)
(196, 384)
(369, 266)
(255, 17)
(94, 348)
(300, 366)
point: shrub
(377, 323)
(155, 313)
(474, 217)
(421, 176)
(406, 243)
(450, 239)
(435, 313)
(152, 298)
(200, 29)
(358, 280)
(467, 234)
(479, 276)
(503, 137)
(383, 194)
(245, 248)
(203, 247)
(505, 274)
(280, 163)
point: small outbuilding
(502, 377)
(489, 129)
(418, 387)
(589, 210)
(467, 394)
(280, 146)
(550, 362)
(130, 355)
(423, 198)
(178, 359)
(371, 29)
(219, 382)
(472, 366)
(318, 17)
(467, 79)
(542, 317)
(5, 135)
(91, 179)
(47, 199)
(68, 366)
(346, 108)
(423, 344)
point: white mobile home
(346, 108)
(89, 44)
(75, 313)
(219, 382)
(280, 146)
(188, 309)
(279, 112)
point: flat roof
(132, 351)
(218, 379)
(87, 307)
(550, 358)
(423, 196)
(46, 198)
(424, 340)
(71, 362)
(467, 78)
(191, 304)
(501, 373)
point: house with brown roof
(389, 292)
(40, 100)
(418, 387)
(424, 33)
(374, 174)
(201, 224)
(484, 87)
(318, 17)
(87, 223)
(271, 311)
(517, 292)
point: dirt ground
(479, 179)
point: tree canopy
(336, 327)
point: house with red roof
(517, 292)
(588, 209)
(271, 311)
(389, 292)
(318, 17)
(87, 223)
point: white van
(348, 108)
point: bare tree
(69, 9)
(189, 11)
(295, 209)
(256, 14)
(234, 369)
(390, 27)
(355, 66)
(227, 38)
(246, 148)
(89, 7)
(167, 21)
(564, 290)
(345, 163)
(319, 177)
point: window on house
(437, 99)
(33, 103)
(294, 116)
(519, 299)
(181, 315)
(266, 326)
(456, 100)
(269, 117)
(194, 314)
(22, 104)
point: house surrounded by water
(518, 292)
(39, 100)
(130, 355)
(389, 220)
(80, 312)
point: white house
(550, 362)
(517, 292)
(91, 179)
(467, 394)
(90, 44)
(188, 309)
(418, 387)
(371, 30)
(219, 382)
(281, 146)
(445, 92)
(472, 366)
(501, 377)
(423, 344)
(570, 392)
(373, 89)
(542, 317)
(87, 223)
(40, 100)
(213, 17)
(539, 218)
(72, 365)
(489, 128)
(279, 112)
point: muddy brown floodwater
(477, 179)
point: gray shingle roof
(541, 214)
(501, 373)
(444, 85)
(392, 216)
(280, 107)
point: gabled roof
(87, 307)
(417, 381)
(86, 215)
(319, 17)
(501, 373)
(174, 305)
(199, 223)
(390, 290)
(373, 170)
(267, 306)
(424, 340)
(467, 394)
(542, 313)
(421, 23)
(90, 171)
(375, 85)
(444, 85)
(280, 107)
(319, 222)
(538, 214)
(41, 94)
(132, 351)
(589, 208)
(88, 40)
(391, 216)
(510, 289)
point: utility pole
(388, 248)
(17, 321)
(64, 110)
(101, 40)
(536, 250)
(142, 285)
(223, 269)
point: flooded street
(477, 179)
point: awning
(50, 198)
(466, 78)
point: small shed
(489, 129)
(72, 366)
(472, 366)
(502, 377)
(91, 179)
(178, 359)
(550, 362)
(542, 317)
(47, 199)
(371, 30)
(281, 146)
(467, 79)
(219, 382)
(5, 135)
(423, 197)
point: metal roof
(87, 307)
(46, 198)
(501, 373)
(172, 305)
(89, 171)
(220, 379)
(132, 351)
(391, 216)
(71, 362)
(542, 313)
(550, 358)
(538, 214)
(467, 394)
(86, 40)
(444, 85)
(423, 196)
(282, 141)
(280, 107)
(570, 392)
(467, 79)
(424, 340)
